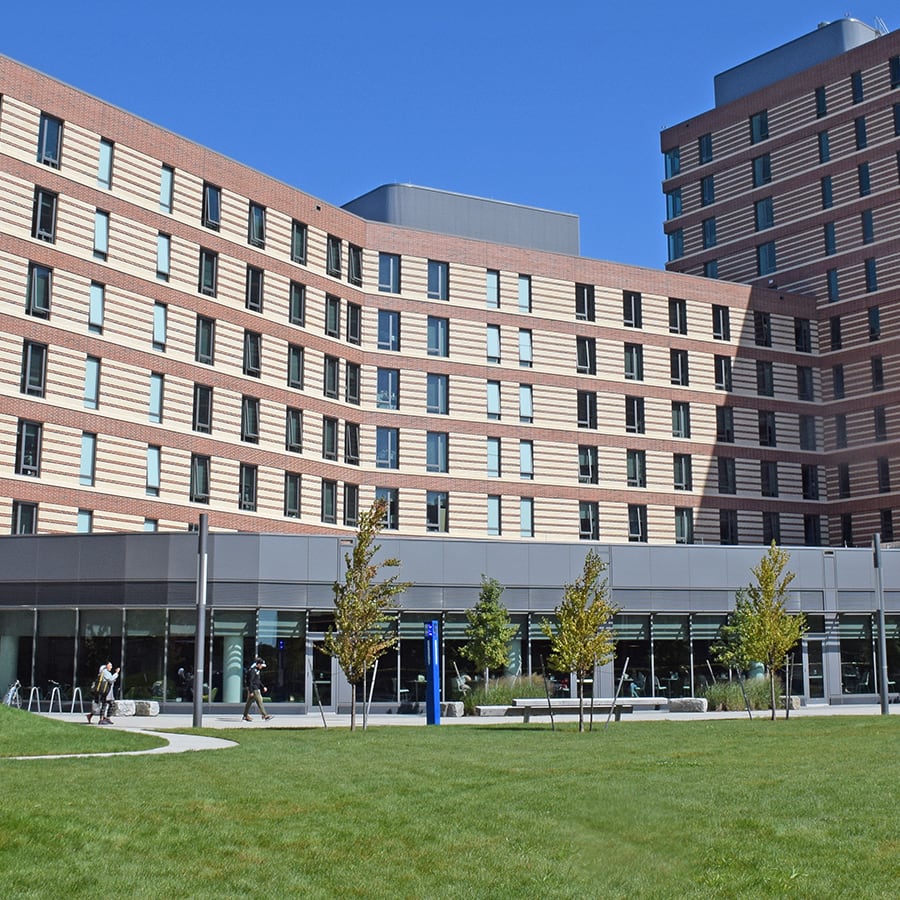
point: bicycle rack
(34, 693)
(76, 692)
(55, 693)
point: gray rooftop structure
(830, 39)
(460, 215)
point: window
(298, 242)
(49, 148)
(887, 524)
(34, 369)
(762, 328)
(526, 517)
(684, 525)
(525, 350)
(199, 486)
(333, 256)
(24, 517)
(830, 245)
(438, 336)
(859, 132)
(250, 419)
(721, 323)
(329, 501)
(525, 293)
(768, 478)
(387, 447)
(726, 471)
(438, 394)
(709, 233)
(209, 266)
(879, 414)
(586, 351)
(587, 464)
(683, 479)
(436, 511)
(166, 188)
(871, 275)
(759, 126)
(293, 430)
(681, 419)
(637, 523)
(728, 526)
(28, 448)
(722, 366)
(704, 148)
(211, 215)
(256, 225)
(765, 258)
(297, 304)
(771, 522)
(587, 409)
(253, 353)
(837, 381)
(493, 399)
(163, 256)
(677, 316)
(492, 289)
(897, 120)
(802, 335)
(391, 497)
(332, 316)
(436, 451)
(809, 476)
(877, 364)
(808, 438)
(589, 520)
(873, 316)
(351, 504)
(329, 437)
(493, 343)
(831, 281)
(247, 498)
(203, 400)
(843, 478)
(834, 324)
(675, 242)
(331, 377)
(765, 378)
(153, 471)
(763, 213)
(92, 388)
(631, 309)
(160, 314)
(354, 323)
(840, 430)
(585, 310)
(894, 68)
(352, 380)
(351, 443)
(636, 466)
(295, 366)
(205, 340)
(812, 530)
(867, 226)
(805, 383)
(711, 268)
(526, 403)
(354, 265)
(821, 103)
(254, 291)
(438, 280)
(388, 387)
(672, 160)
(37, 298)
(824, 150)
(389, 273)
(388, 330)
(766, 422)
(43, 220)
(291, 495)
(634, 362)
(673, 203)
(884, 474)
(634, 415)
(707, 190)
(88, 459)
(762, 170)
(494, 457)
(827, 194)
(725, 424)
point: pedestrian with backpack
(255, 689)
(103, 694)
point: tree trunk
(580, 704)
(487, 676)
(772, 690)
(352, 707)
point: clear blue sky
(555, 105)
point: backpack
(100, 685)
(247, 673)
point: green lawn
(734, 808)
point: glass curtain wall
(671, 655)
(99, 642)
(855, 634)
(144, 654)
(282, 644)
(232, 651)
(16, 646)
(633, 644)
(54, 658)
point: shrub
(726, 695)
(502, 690)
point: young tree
(489, 630)
(761, 629)
(363, 616)
(583, 638)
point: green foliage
(583, 637)
(489, 631)
(502, 692)
(363, 622)
(726, 695)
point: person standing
(105, 692)
(255, 689)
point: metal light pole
(882, 640)
(200, 637)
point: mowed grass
(732, 808)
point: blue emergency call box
(432, 674)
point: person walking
(255, 689)
(104, 694)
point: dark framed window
(831, 285)
(250, 419)
(877, 366)
(768, 478)
(295, 366)
(588, 520)
(802, 335)
(297, 304)
(759, 126)
(438, 336)
(586, 355)
(333, 264)
(812, 530)
(332, 316)
(821, 103)
(675, 242)
(637, 523)
(678, 367)
(43, 220)
(834, 327)
(293, 430)
(351, 443)
(632, 316)
(437, 511)
(761, 170)
(873, 316)
(879, 415)
(205, 340)
(829, 237)
(763, 214)
(587, 409)
(843, 479)
(387, 448)
(721, 323)
(711, 268)
(677, 316)
(809, 477)
(254, 298)
(298, 242)
(329, 501)
(867, 226)
(212, 206)
(722, 365)
(354, 323)
(673, 203)
(824, 148)
(762, 328)
(351, 504)
(808, 436)
(681, 419)
(765, 378)
(672, 160)
(209, 270)
(883, 468)
(636, 468)
(438, 280)
(388, 388)
(682, 472)
(352, 381)
(871, 275)
(388, 329)
(256, 225)
(354, 265)
(587, 464)
(247, 496)
(391, 497)
(765, 258)
(827, 193)
(726, 472)
(34, 369)
(49, 150)
(859, 133)
(292, 495)
(837, 381)
(707, 190)
(437, 451)
(840, 430)
(329, 437)
(203, 406)
(252, 353)
(766, 422)
(37, 298)
(634, 362)
(585, 309)
(389, 272)
(705, 148)
(856, 87)
(24, 517)
(438, 394)
(805, 389)
(728, 526)
(684, 525)
(634, 415)
(331, 377)
(725, 424)
(525, 293)
(200, 472)
(709, 232)
(29, 436)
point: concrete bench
(562, 706)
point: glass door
(320, 668)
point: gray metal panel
(234, 557)
(855, 568)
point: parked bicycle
(12, 698)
